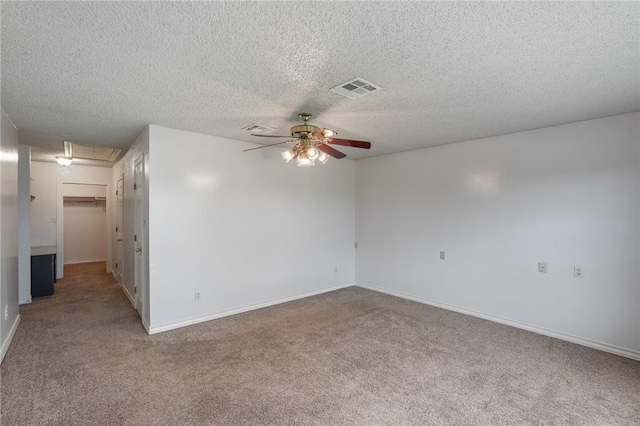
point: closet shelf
(84, 199)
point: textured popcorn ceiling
(98, 72)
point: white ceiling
(97, 72)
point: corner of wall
(24, 223)
(9, 338)
(9, 281)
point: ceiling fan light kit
(313, 143)
(305, 153)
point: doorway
(84, 223)
(82, 191)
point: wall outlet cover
(542, 267)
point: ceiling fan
(312, 143)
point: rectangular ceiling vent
(257, 128)
(92, 152)
(356, 88)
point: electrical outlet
(542, 267)
(197, 296)
(578, 271)
(441, 255)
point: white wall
(24, 223)
(242, 229)
(46, 186)
(139, 150)
(9, 311)
(83, 190)
(567, 195)
(85, 224)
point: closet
(85, 223)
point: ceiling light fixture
(288, 155)
(323, 158)
(63, 161)
(67, 158)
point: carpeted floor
(352, 356)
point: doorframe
(142, 286)
(115, 240)
(60, 222)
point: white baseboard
(627, 353)
(7, 341)
(129, 296)
(75, 262)
(24, 301)
(209, 317)
(115, 277)
(146, 326)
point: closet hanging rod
(79, 199)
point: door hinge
(116, 264)
(135, 290)
(116, 229)
(135, 238)
(135, 186)
(116, 192)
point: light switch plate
(542, 267)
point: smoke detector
(355, 88)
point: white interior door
(119, 266)
(138, 238)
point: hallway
(64, 363)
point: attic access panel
(91, 152)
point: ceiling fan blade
(270, 136)
(331, 151)
(349, 142)
(265, 146)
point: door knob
(138, 249)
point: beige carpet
(352, 356)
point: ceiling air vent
(356, 88)
(257, 128)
